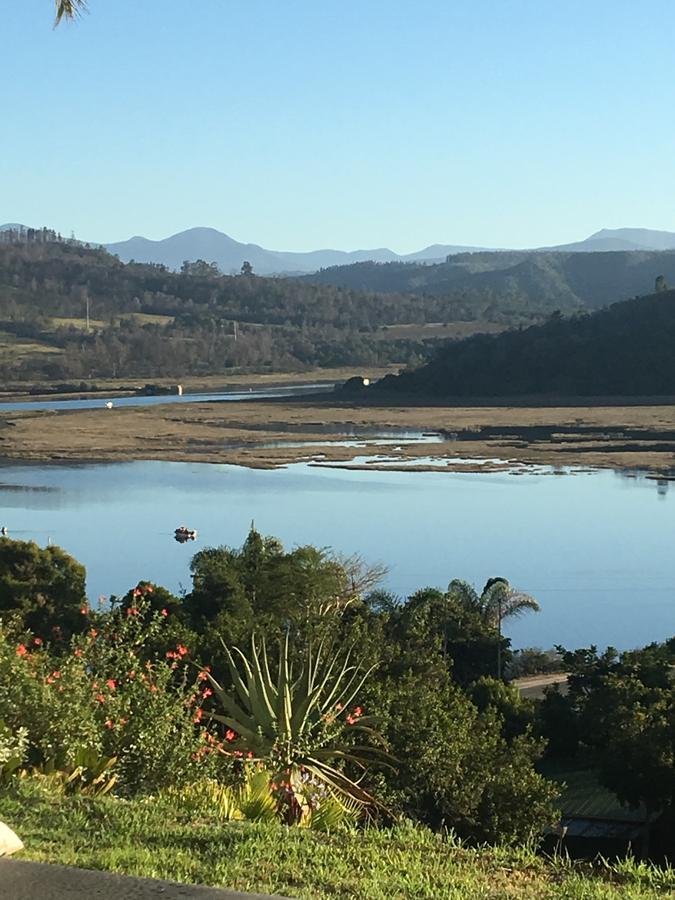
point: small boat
(184, 534)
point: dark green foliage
(217, 322)
(464, 755)
(625, 349)
(499, 286)
(44, 588)
(455, 767)
(619, 714)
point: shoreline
(270, 433)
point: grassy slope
(155, 840)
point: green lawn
(156, 840)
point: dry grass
(234, 432)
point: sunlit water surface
(595, 548)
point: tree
(455, 769)
(69, 9)
(497, 602)
(44, 587)
(246, 268)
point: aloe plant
(297, 726)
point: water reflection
(594, 547)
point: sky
(302, 124)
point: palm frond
(68, 9)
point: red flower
(136, 592)
(21, 650)
(148, 589)
(207, 692)
(109, 723)
(350, 720)
(358, 712)
(93, 633)
(111, 684)
(198, 715)
(77, 652)
(153, 688)
(165, 613)
(132, 611)
(38, 642)
(100, 698)
(202, 676)
(84, 610)
(182, 651)
(230, 735)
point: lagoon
(594, 547)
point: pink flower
(38, 642)
(136, 592)
(230, 735)
(111, 684)
(207, 692)
(77, 652)
(148, 589)
(109, 723)
(182, 651)
(21, 650)
(165, 613)
(132, 611)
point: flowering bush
(101, 695)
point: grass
(154, 839)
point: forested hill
(528, 280)
(145, 320)
(626, 349)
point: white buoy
(109, 404)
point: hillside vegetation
(515, 282)
(626, 349)
(146, 320)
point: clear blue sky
(300, 124)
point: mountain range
(215, 246)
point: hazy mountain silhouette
(215, 246)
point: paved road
(36, 881)
(533, 686)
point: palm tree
(500, 601)
(69, 9)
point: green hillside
(537, 281)
(626, 349)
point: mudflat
(264, 434)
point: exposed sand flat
(633, 435)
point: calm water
(100, 401)
(594, 548)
